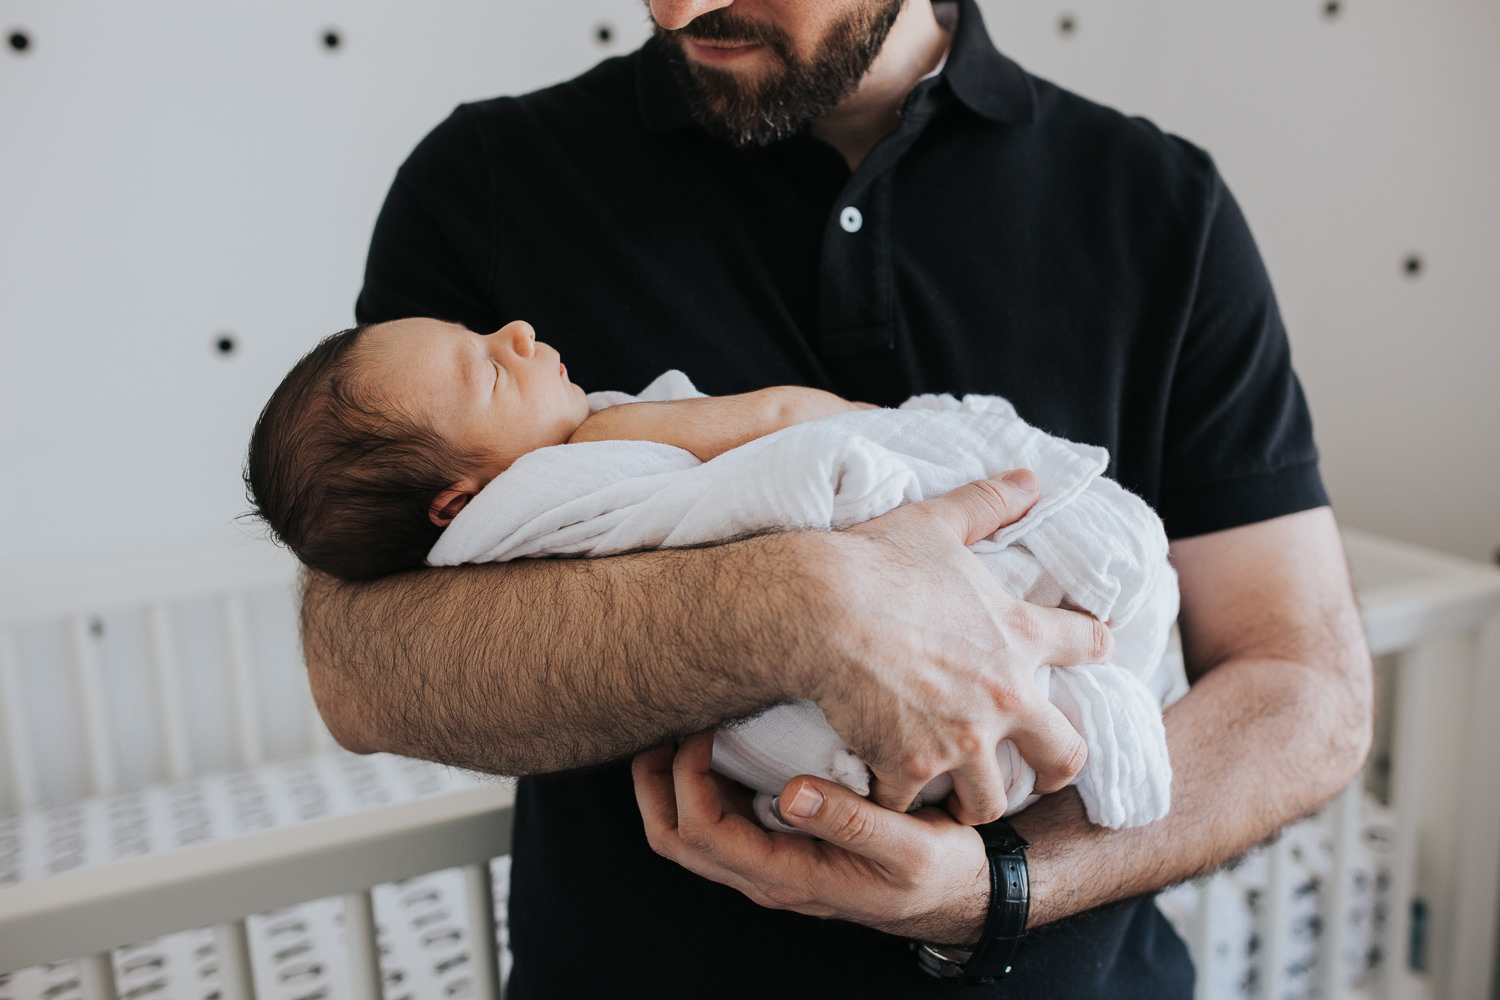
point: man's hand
(1277, 721)
(931, 682)
(919, 875)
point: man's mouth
(715, 52)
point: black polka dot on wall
(96, 628)
(604, 34)
(225, 344)
(1332, 9)
(332, 40)
(1413, 265)
(19, 41)
(1067, 25)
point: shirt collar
(985, 81)
(981, 78)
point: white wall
(173, 170)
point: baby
(381, 434)
(387, 448)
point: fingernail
(806, 803)
(1021, 479)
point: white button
(851, 220)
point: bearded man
(864, 196)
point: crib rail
(90, 911)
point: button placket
(856, 282)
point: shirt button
(851, 220)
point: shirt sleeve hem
(1200, 510)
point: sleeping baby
(419, 442)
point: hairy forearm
(542, 665)
(1255, 744)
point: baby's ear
(447, 504)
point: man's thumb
(977, 510)
(831, 812)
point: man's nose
(673, 14)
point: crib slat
(242, 680)
(96, 976)
(92, 703)
(1468, 970)
(23, 777)
(235, 979)
(1276, 923)
(479, 896)
(1339, 898)
(1202, 937)
(364, 954)
(168, 680)
(1414, 671)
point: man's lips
(718, 52)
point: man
(864, 196)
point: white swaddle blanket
(1087, 544)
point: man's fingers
(698, 801)
(973, 511)
(979, 790)
(1049, 743)
(1068, 638)
(654, 794)
(979, 509)
(896, 794)
(831, 812)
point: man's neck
(913, 49)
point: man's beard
(789, 95)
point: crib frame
(1428, 610)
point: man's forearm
(543, 665)
(1277, 721)
(1247, 759)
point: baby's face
(497, 396)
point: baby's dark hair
(343, 479)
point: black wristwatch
(1005, 924)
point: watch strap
(1005, 920)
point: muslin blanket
(1087, 544)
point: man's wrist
(1052, 826)
(1008, 901)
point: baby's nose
(522, 337)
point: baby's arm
(714, 424)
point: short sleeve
(1239, 444)
(432, 249)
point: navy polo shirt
(1008, 237)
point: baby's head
(381, 434)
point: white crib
(168, 798)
